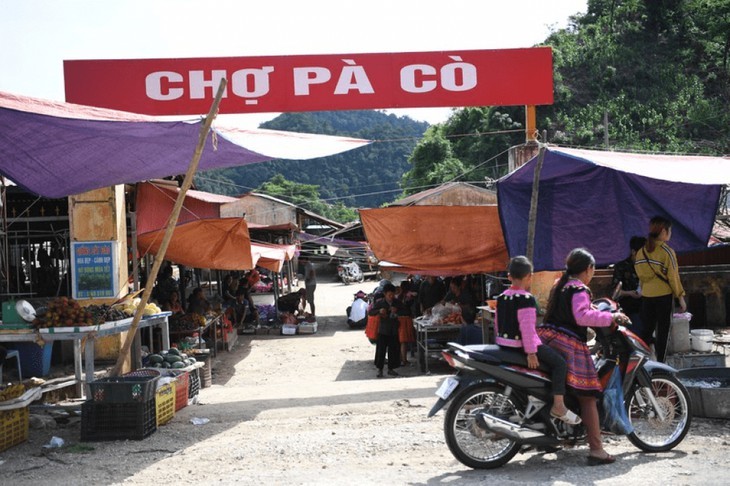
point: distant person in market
(198, 304)
(310, 282)
(166, 285)
(460, 294)
(357, 313)
(628, 293)
(470, 332)
(656, 266)
(230, 287)
(387, 310)
(293, 302)
(239, 311)
(430, 293)
(244, 287)
(173, 303)
(406, 333)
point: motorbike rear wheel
(471, 444)
(652, 434)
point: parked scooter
(350, 272)
(498, 407)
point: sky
(38, 35)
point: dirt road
(309, 410)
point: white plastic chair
(12, 353)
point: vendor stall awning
(599, 200)
(445, 240)
(201, 214)
(155, 201)
(222, 244)
(59, 149)
(270, 256)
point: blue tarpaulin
(599, 200)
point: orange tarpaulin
(223, 244)
(447, 239)
(270, 256)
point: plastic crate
(124, 389)
(13, 427)
(181, 389)
(206, 373)
(144, 372)
(34, 360)
(194, 386)
(181, 385)
(165, 403)
(117, 421)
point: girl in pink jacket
(514, 327)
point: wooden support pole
(160, 256)
(530, 124)
(532, 221)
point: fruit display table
(84, 368)
(431, 339)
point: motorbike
(350, 272)
(498, 407)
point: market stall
(41, 146)
(438, 241)
(84, 338)
(455, 240)
(600, 199)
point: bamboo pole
(532, 221)
(160, 256)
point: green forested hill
(631, 75)
(657, 70)
(364, 177)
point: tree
(471, 145)
(656, 69)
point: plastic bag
(615, 418)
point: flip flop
(599, 461)
(568, 417)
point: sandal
(599, 461)
(568, 417)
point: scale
(17, 314)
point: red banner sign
(315, 82)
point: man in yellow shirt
(657, 269)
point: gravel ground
(308, 409)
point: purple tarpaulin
(582, 204)
(57, 157)
(58, 149)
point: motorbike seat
(495, 354)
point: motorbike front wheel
(471, 444)
(652, 433)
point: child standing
(514, 327)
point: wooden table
(84, 367)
